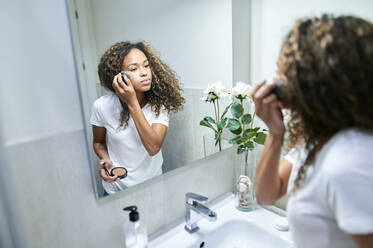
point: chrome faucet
(195, 211)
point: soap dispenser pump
(135, 232)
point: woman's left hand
(124, 90)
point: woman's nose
(143, 71)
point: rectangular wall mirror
(196, 39)
(203, 41)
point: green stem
(243, 113)
(217, 103)
(220, 131)
(243, 130)
(217, 121)
(246, 157)
(216, 117)
(252, 121)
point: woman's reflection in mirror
(130, 123)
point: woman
(326, 66)
(130, 123)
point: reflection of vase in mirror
(244, 183)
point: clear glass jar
(244, 183)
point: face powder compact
(121, 172)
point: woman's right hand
(124, 89)
(106, 163)
(268, 108)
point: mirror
(196, 39)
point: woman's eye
(133, 69)
(146, 66)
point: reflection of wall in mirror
(184, 142)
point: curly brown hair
(327, 64)
(165, 88)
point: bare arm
(152, 136)
(100, 148)
(364, 241)
(99, 142)
(271, 175)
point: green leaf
(255, 129)
(233, 125)
(222, 123)
(246, 119)
(260, 138)
(205, 123)
(217, 138)
(209, 119)
(235, 140)
(244, 139)
(237, 110)
(248, 133)
(226, 110)
(250, 145)
(240, 149)
(238, 131)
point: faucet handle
(189, 197)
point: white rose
(218, 89)
(241, 90)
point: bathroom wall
(42, 137)
(11, 228)
(272, 20)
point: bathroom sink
(233, 229)
(242, 233)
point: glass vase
(244, 183)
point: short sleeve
(350, 191)
(96, 115)
(292, 156)
(162, 118)
(296, 156)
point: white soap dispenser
(135, 232)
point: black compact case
(278, 90)
(121, 172)
(125, 75)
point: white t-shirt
(337, 198)
(124, 145)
